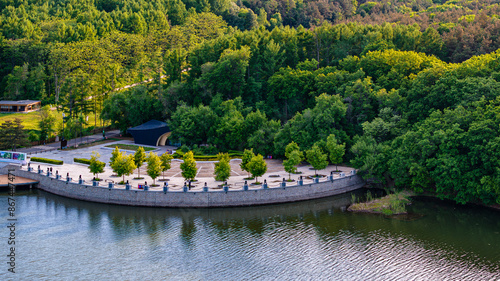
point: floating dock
(18, 182)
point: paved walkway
(77, 141)
(274, 176)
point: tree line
(237, 79)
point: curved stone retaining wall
(192, 198)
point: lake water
(65, 239)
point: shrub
(178, 154)
(46, 160)
(82, 160)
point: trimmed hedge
(46, 160)
(206, 157)
(82, 160)
(178, 154)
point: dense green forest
(411, 87)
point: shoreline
(206, 198)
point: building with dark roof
(153, 132)
(20, 105)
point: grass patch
(47, 160)
(30, 120)
(392, 204)
(130, 147)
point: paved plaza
(274, 176)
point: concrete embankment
(211, 198)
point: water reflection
(304, 240)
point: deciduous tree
(46, 124)
(257, 166)
(123, 165)
(316, 158)
(12, 134)
(222, 168)
(188, 167)
(139, 158)
(290, 164)
(336, 150)
(166, 159)
(96, 167)
(154, 166)
(247, 157)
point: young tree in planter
(247, 157)
(257, 166)
(188, 167)
(114, 154)
(166, 159)
(96, 167)
(154, 166)
(316, 158)
(294, 159)
(336, 150)
(222, 168)
(123, 165)
(139, 158)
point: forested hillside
(411, 87)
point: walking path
(274, 176)
(73, 142)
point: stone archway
(163, 139)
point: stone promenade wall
(191, 198)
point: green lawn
(30, 120)
(130, 147)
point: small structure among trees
(20, 105)
(153, 132)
